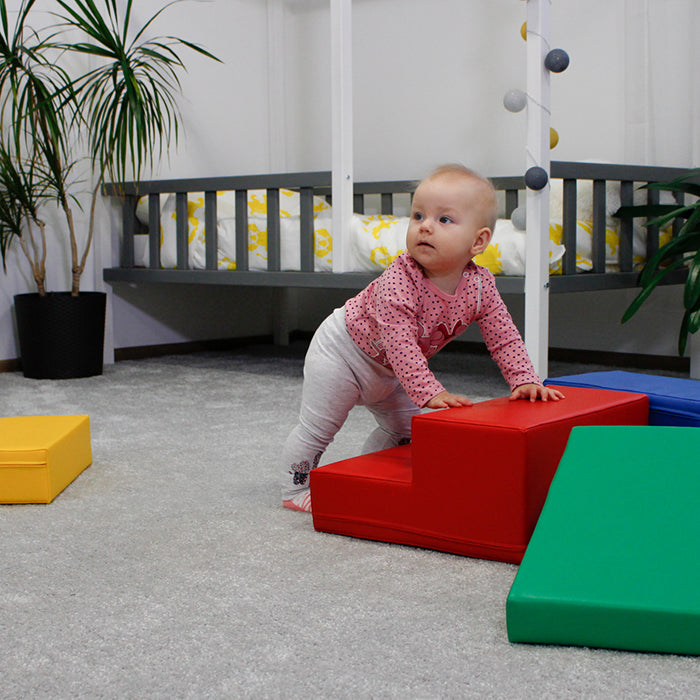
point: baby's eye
(418, 216)
(445, 220)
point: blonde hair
(488, 198)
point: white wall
(428, 85)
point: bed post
(537, 239)
(342, 137)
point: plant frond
(648, 288)
(651, 211)
(676, 246)
(691, 291)
(680, 187)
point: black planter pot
(61, 336)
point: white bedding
(375, 239)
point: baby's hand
(446, 400)
(534, 392)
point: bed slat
(387, 203)
(652, 231)
(569, 226)
(599, 207)
(181, 230)
(211, 233)
(626, 229)
(242, 230)
(306, 228)
(128, 230)
(274, 255)
(154, 231)
(678, 223)
(511, 202)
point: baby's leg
(330, 390)
(393, 414)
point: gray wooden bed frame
(318, 183)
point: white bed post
(284, 314)
(341, 133)
(536, 252)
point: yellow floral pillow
(377, 240)
(505, 254)
(289, 231)
(226, 224)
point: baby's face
(447, 224)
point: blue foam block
(672, 401)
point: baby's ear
(482, 240)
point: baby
(374, 351)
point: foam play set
(41, 455)
(472, 481)
(672, 400)
(614, 559)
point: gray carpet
(168, 569)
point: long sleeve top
(401, 319)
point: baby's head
(452, 218)
(479, 192)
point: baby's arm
(446, 400)
(534, 392)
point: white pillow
(505, 254)
(377, 240)
(226, 228)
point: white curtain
(662, 91)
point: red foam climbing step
(473, 480)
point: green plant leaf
(676, 181)
(676, 246)
(646, 210)
(694, 321)
(683, 334)
(692, 225)
(689, 325)
(680, 187)
(691, 291)
(648, 288)
(130, 100)
(678, 213)
(124, 106)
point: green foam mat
(614, 560)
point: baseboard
(630, 360)
(10, 365)
(672, 363)
(140, 352)
(594, 357)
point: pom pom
(553, 138)
(518, 218)
(557, 60)
(515, 100)
(536, 178)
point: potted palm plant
(118, 115)
(683, 250)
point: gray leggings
(338, 376)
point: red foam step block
(473, 480)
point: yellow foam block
(41, 455)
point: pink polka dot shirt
(401, 319)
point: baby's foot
(302, 502)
